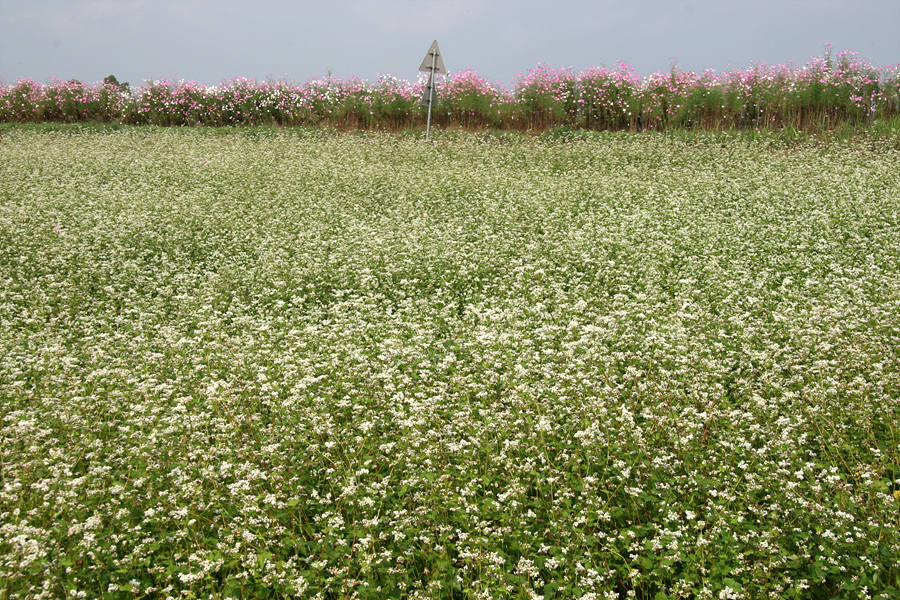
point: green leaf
(850, 585)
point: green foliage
(270, 363)
(110, 80)
(826, 95)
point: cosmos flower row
(826, 91)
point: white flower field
(299, 364)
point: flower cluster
(826, 92)
(303, 365)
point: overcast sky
(213, 40)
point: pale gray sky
(212, 40)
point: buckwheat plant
(326, 366)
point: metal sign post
(429, 98)
(433, 63)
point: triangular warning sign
(433, 63)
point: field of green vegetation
(263, 364)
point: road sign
(433, 63)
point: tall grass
(828, 92)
